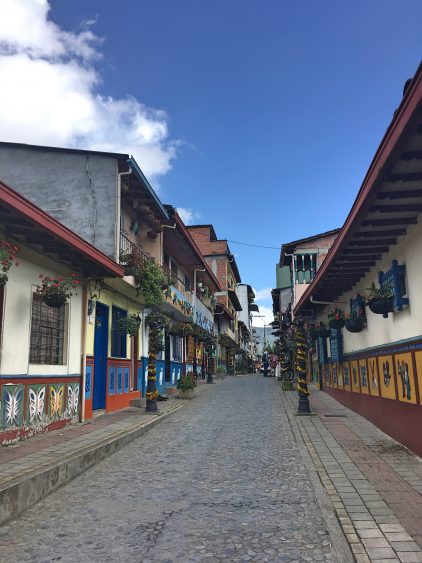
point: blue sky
(271, 110)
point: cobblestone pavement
(221, 480)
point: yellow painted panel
(346, 376)
(418, 357)
(363, 373)
(405, 378)
(334, 375)
(373, 377)
(340, 376)
(386, 371)
(354, 376)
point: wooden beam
(361, 257)
(372, 242)
(388, 222)
(374, 234)
(371, 250)
(411, 155)
(397, 208)
(399, 194)
(405, 177)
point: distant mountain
(269, 338)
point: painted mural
(26, 409)
(394, 376)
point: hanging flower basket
(8, 253)
(381, 305)
(3, 279)
(55, 300)
(336, 319)
(56, 291)
(336, 324)
(355, 325)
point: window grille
(118, 337)
(47, 333)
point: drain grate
(335, 415)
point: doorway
(100, 356)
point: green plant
(156, 323)
(336, 314)
(375, 292)
(60, 287)
(8, 253)
(129, 324)
(186, 382)
(151, 280)
(221, 370)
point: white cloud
(263, 294)
(188, 216)
(268, 317)
(49, 92)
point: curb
(341, 547)
(18, 496)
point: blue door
(100, 356)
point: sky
(260, 117)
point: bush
(221, 370)
(186, 382)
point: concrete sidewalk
(31, 469)
(374, 483)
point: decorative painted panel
(119, 379)
(346, 376)
(386, 371)
(340, 376)
(405, 378)
(363, 374)
(126, 380)
(88, 382)
(111, 380)
(12, 402)
(139, 386)
(56, 401)
(334, 375)
(36, 405)
(418, 359)
(373, 377)
(355, 377)
(72, 400)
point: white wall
(403, 324)
(14, 358)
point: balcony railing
(129, 251)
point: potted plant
(380, 300)
(129, 324)
(186, 386)
(56, 291)
(8, 253)
(220, 372)
(323, 331)
(336, 319)
(354, 322)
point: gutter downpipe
(119, 211)
(83, 346)
(292, 256)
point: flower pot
(55, 300)
(186, 393)
(355, 325)
(381, 305)
(287, 385)
(336, 324)
(3, 279)
(324, 333)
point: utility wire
(242, 243)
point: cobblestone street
(222, 479)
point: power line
(254, 245)
(242, 243)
